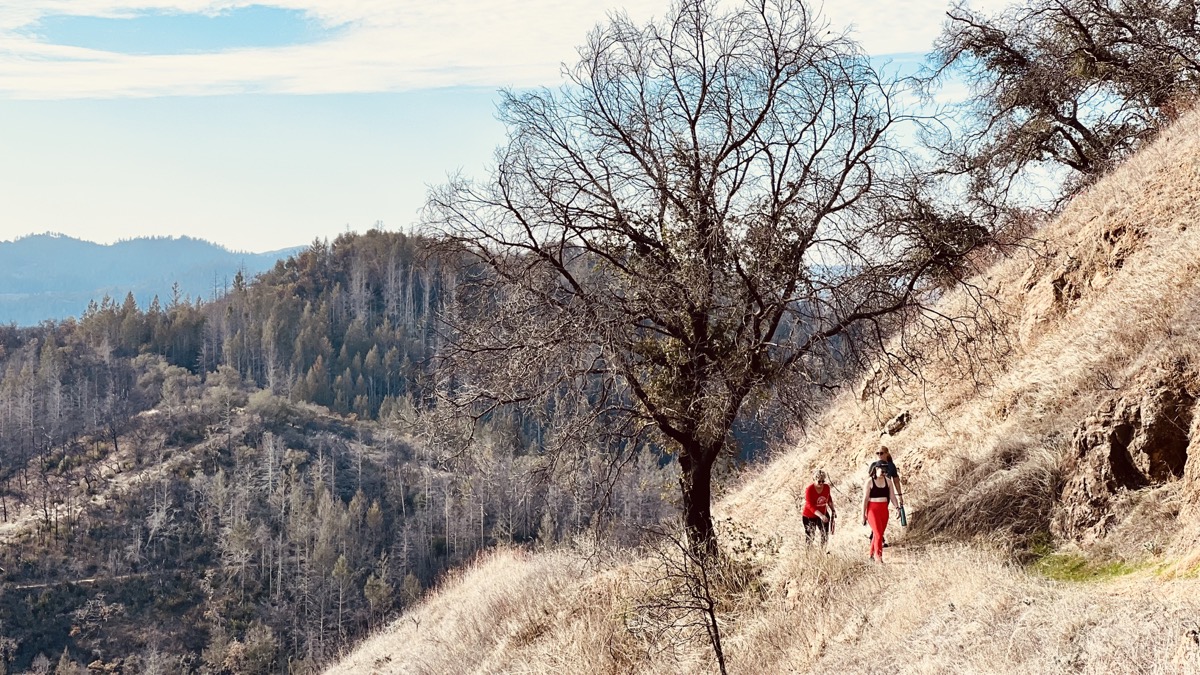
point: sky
(264, 125)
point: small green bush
(1070, 567)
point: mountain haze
(1052, 467)
(49, 276)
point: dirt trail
(89, 580)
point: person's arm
(814, 497)
(866, 499)
(896, 488)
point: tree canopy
(1074, 84)
(711, 209)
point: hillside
(1053, 481)
(53, 277)
(251, 484)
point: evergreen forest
(249, 484)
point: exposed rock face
(875, 384)
(1057, 282)
(1191, 480)
(1040, 306)
(897, 423)
(1133, 441)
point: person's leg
(809, 525)
(877, 518)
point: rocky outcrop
(1134, 440)
(1058, 280)
(897, 423)
(874, 384)
(1190, 494)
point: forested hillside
(517, 442)
(248, 484)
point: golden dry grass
(943, 609)
(1105, 302)
(1129, 242)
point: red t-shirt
(816, 500)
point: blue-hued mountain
(51, 276)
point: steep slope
(1087, 388)
(1052, 464)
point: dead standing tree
(710, 209)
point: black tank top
(879, 492)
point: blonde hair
(818, 475)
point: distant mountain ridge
(53, 276)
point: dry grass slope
(942, 609)
(1097, 337)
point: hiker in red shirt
(818, 511)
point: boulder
(897, 423)
(1133, 441)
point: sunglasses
(881, 454)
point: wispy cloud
(897, 26)
(384, 46)
(381, 45)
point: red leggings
(877, 518)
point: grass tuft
(1006, 497)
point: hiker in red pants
(883, 459)
(877, 493)
(885, 463)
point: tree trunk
(695, 482)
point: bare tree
(1074, 84)
(681, 602)
(710, 209)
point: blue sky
(156, 31)
(261, 125)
